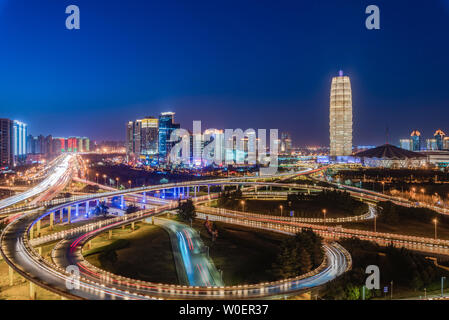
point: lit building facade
(416, 140)
(142, 138)
(19, 141)
(340, 115)
(166, 126)
(286, 143)
(431, 144)
(406, 144)
(439, 137)
(6, 148)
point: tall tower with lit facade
(340, 116)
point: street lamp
(97, 174)
(442, 285)
(435, 222)
(422, 191)
(129, 182)
(383, 186)
(324, 215)
(117, 179)
(242, 202)
(104, 177)
(281, 207)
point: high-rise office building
(6, 148)
(446, 143)
(406, 144)
(166, 126)
(439, 137)
(149, 132)
(417, 140)
(286, 143)
(142, 138)
(19, 140)
(340, 115)
(431, 144)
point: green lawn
(143, 254)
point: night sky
(231, 64)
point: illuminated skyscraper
(6, 148)
(20, 133)
(340, 116)
(166, 127)
(416, 138)
(439, 137)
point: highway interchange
(19, 253)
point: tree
(304, 263)
(186, 210)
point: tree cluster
(298, 255)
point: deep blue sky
(259, 64)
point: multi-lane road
(57, 178)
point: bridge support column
(271, 188)
(222, 187)
(38, 226)
(194, 191)
(39, 250)
(61, 215)
(31, 232)
(87, 207)
(122, 201)
(98, 202)
(152, 220)
(188, 190)
(52, 220)
(69, 215)
(77, 209)
(144, 197)
(208, 190)
(308, 191)
(32, 291)
(255, 189)
(110, 234)
(11, 276)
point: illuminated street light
(281, 207)
(97, 174)
(117, 179)
(242, 202)
(435, 221)
(324, 214)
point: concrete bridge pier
(188, 190)
(39, 250)
(87, 207)
(144, 197)
(31, 232)
(194, 191)
(110, 234)
(69, 214)
(52, 220)
(38, 226)
(11, 276)
(152, 220)
(61, 215)
(32, 291)
(132, 226)
(122, 201)
(77, 209)
(208, 190)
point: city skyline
(244, 78)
